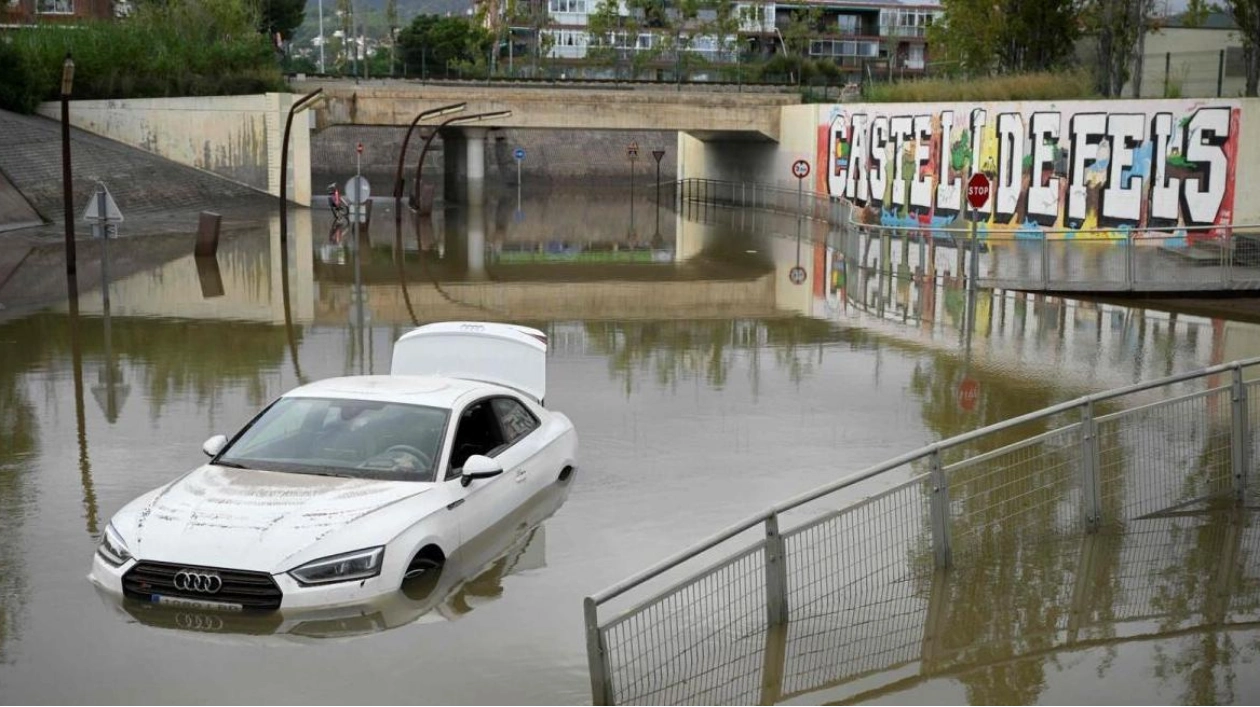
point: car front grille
(255, 591)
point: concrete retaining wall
(235, 137)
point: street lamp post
(67, 196)
(450, 121)
(402, 155)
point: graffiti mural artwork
(1157, 169)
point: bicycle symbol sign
(800, 169)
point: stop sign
(978, 190)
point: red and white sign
(800, 169)
(968, 392)
(978, 190)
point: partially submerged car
(473, 575)
(340, 490)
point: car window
(477, 432)
(516, 419)
(356, 438)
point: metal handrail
(677, 559)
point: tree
(281, 16)
(1246, 14)
(445, 42)
(1014, 36)
(1118, 26)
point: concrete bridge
(707, 116)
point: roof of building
(1213, 20)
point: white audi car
(340, 490)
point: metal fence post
(776, 574)
(1091, 460)
(1167, 71)
(1220, 74)
(940, 511)
(1240, 437)
(1128, 261)
(597, 656)
(1045, 261)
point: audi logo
(198, 581)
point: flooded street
(704, 385)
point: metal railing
(1207, 258)
(1101, 460)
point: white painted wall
(808, 130)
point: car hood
(254, 520)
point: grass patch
(176, 49)
(1047, 86)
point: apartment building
(28, 12)
(854, 34)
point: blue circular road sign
(519, 154)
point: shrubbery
(1041, 86)
(193, 48)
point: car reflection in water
(472, 576)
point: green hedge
(161, 52)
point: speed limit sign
(800, 169)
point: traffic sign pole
(800, 170)
(102, 231)
(979, 191)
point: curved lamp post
(450, 121)
(402, 156)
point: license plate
(196, 603)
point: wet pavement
(704, 384)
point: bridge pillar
(475, 153)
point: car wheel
(422, 574)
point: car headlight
(360, 564)
(112, 549)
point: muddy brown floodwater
(704, 384)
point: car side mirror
(479, 466)
(214, 445)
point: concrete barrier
(235, 137)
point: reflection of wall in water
(248, 268)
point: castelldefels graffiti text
(1164, 167)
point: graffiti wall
(1058, 170)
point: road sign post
(519, 155)
(102, 212)
(800, 170)
(632, 151)
(657, 155)
(979, 191)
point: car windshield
(335, 437)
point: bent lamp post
(450, 121)
(402, 155)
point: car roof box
(503, 354)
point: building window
(51, 7)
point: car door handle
(520, 475)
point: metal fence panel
(1024, 490)
(701, 642)
(863, 568)
(1165, 455)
